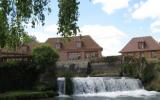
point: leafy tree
(68, 17)
(29, 39)
(16, 14)
(44, 56)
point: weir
(90, 85)
(61, 86)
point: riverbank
(27, 95)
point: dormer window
(58, 45)
(79, 44)
(141, 45)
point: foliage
(26, 95)
(45, 59)
(111, 59)
(154, 84)
(15, 14)
(44, 56)
(48, 80)
(68, 84)
(89, 68)
(17, 75)
(133, 67)
(29, 39)
(68, 17)
(151, 76)
(148, 73)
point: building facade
(77, 48)
(142, 47)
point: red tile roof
(150, 44)
(87, 43)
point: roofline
(95, 42)
(138, 51)
(63, 37)
(141, 37)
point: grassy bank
(26, 95)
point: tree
(29, 39)
(16, 14)
(68, 17)
(44, 56)
(45, 59)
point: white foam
(64, 96)
(135, 93)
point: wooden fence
(6, 56)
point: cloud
(109, 6)
(51, 28)
(108, 37)
(148, 9)
(42, 36)
(155, 26)
(45, 32)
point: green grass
(26, 95)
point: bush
(148, 73)
(26, 95)
(133, 67)
(151, 76)
(68, 84)
(17, 75)
(44, 56)
(112, 59)
(89, 68)
(45, 59)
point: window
(141, 54)
(153, 54)
(74, 56)
(79, 45)
(91, 55)
(141, 45)
(58, 45)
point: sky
(111, 23)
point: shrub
(68, 84)
(148, 73)
(44, 56)
(89, 68)
(27, 95)
(111, 60)
(45, 59)
(17, 75)
(133, 67)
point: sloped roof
(150, 44)
(87, 43)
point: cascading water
(61, 86)
(104, 84)
(90, 85)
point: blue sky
(111, 23)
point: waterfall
(84, 85)
(61, 86)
